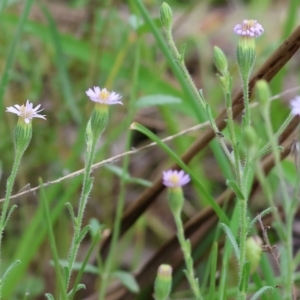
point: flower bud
(163, 282)
(98, 121)
(22, 136)
(220, 60)
(175, 200)
(253, 252)
(166, 16)
(262, 93)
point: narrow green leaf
(231, 239)
(213, 270)
(9, 214)
(263, 290)
(11, 266)
(209, 199)
(79, 287)
(127, 280)
(77, 266)
(232, 184)
(262, 214)
(154, 100)
(49, 296)
(71, 211)
(83, 233)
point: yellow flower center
(249, 24)
(25, 113)
(104, 95)
(174, 179)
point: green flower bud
(253, 252)
(175, 200)
(163, 282)
(98, 121)
(166, 16)
(22, 136)
(220, 60)
(262, 93)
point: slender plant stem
(243, 236)
(187, 258)
(90, 153)
(9, 187)
(95, 241)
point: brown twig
(269, 69)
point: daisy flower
(295, 106)
(26, 111)
(103, 96)
(175, 178)
(250, 28)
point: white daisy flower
(103, 96)
(27, 112)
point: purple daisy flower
(175, 178)
(250, 28)
(103, 96)
(26, 111)
(295, 106)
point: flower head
(175, 178)
(250, 28)
(26, 111)
(103, 96)
(295, 105)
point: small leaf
(127, 280)
(71, 211)
(9, 214)
(79, 287)
(83, 233)
(235, 188)
(261, 291)
(11, 266)
(245, 277)
(154, 100)
(49, 296)
(262, 214)
(182, 53)
(77, 266)
(231, 239)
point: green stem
(9, 187)
(187, 257)
(245, 80)
(95, 241)
(86, 189)
(243, 237)
(230, 124)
